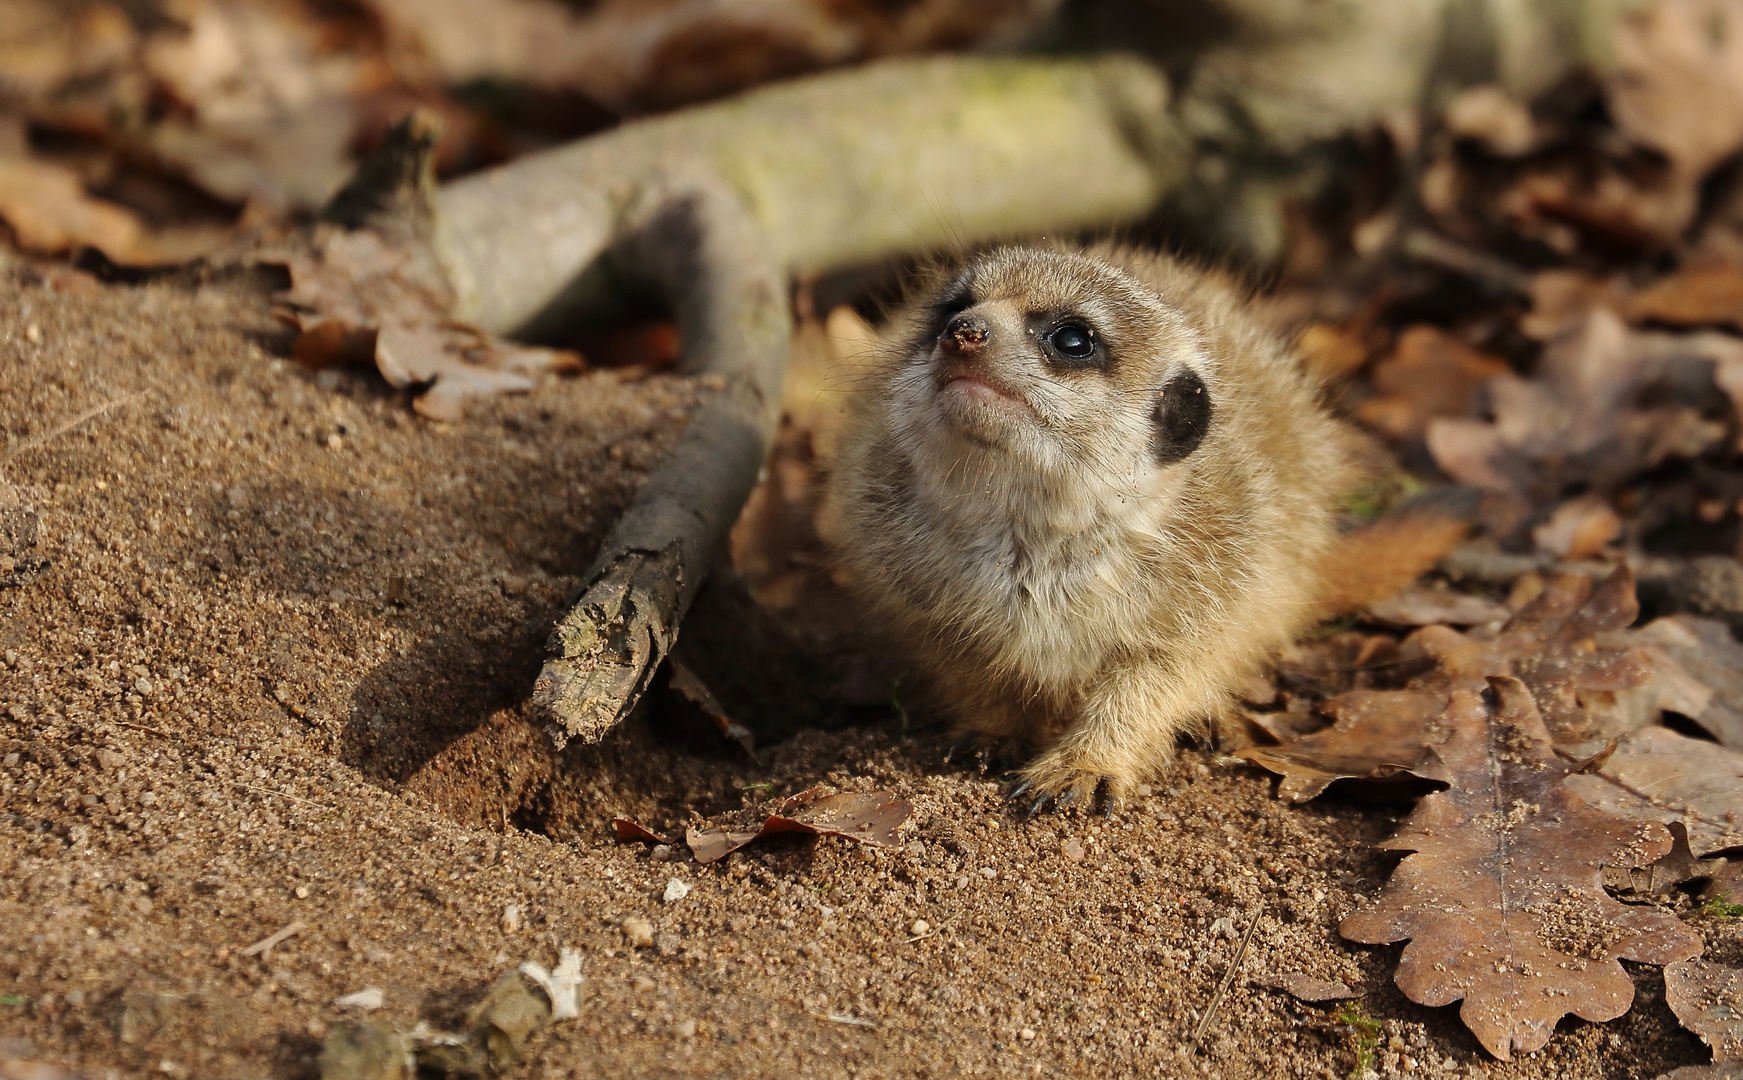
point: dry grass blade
(1222, 988)
(1502, 900)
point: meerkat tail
(1376, 561)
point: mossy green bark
(904, 156)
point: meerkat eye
(1072, 341)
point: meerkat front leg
(1125, 735)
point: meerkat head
(1054, 361)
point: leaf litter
(1530, 446)
(1502, 898)
(868, 817)
(1657, 774)
(367, 288)
(1589, 689)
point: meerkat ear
(1182, 417)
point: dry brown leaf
(1580, 528)
(269, 107)
(1330, 352)
(1561, 298)
(1591, 685)
(870, 817)
(1502, 899)
(628, 829)
(1727, 883)
(41, 47)
(1429, 374)
(50, 212)
(356, 293)
(1490, 115)
(1703, 651)
(1671, 54)
(1678, 866)
(1373, 563)
(690, 687)
(1419, 606)
(1582, 419)
(1304, 987)
(1658, 775)
(1707, 998)
(1708, 293)
(1377, 734)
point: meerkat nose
(964, 335)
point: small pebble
(1028, 1035)
(639, 931)
(676, 890)
(643, 984)
(365, 1000)
(302, 892)
(988, 872)
(511, 919)
(920, 927)
(1072, 850)
(661, 852)
(685, 1029)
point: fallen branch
(712, 209)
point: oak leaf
(1708, 999)
(1565, 646)
(1502, 900)
(1657, 774)
(870, 817)
(1603, 405)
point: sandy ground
(276, 675)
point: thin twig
(843, 1018)
(263, 947)
(95, 410)
(1228, 977)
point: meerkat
(1087, 492)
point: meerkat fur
(1086, 491)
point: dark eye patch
(1182, 417)
(956, 298)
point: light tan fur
(1061, 588)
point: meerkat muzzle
(964, 335)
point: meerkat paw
(1052, 783)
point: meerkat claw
(1104, 799)
(1019, 791)
(1037, 806)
